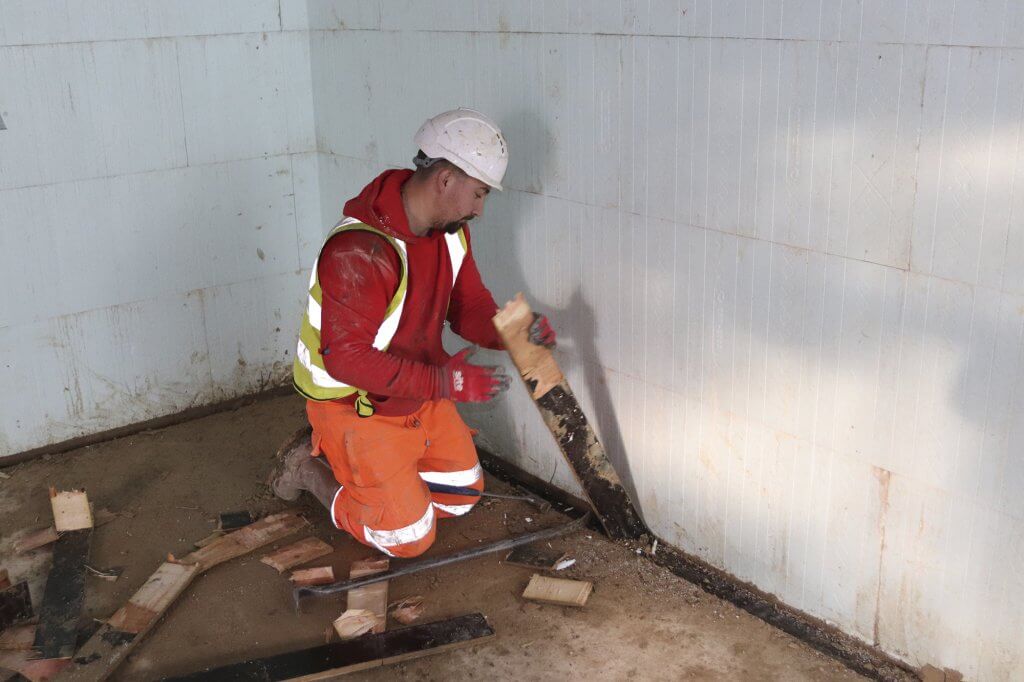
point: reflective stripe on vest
(311, 378)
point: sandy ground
(641, 622)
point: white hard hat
(469, 140)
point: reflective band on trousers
(454, 509)
(459, 478)
(402, 536)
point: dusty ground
(641, 622)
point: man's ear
(445, 177)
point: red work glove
(541, 333)
(466, 383)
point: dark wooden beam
(63, 596)
(567, 423)
(361, 653)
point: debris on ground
(36, 539)
(564, 564)
(559, 591)
(15, 605)
(115, 639)
(111, 574)
(18, 638)
(64, 594)
(354, 622)
(371, 651)
(298, 553)
(234, 520)
(407, 610)
(318, 575)
(531, 556)
(372, 598)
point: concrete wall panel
(778, 242)
(46, 22)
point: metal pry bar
(300, 593)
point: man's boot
(286, 479)
(295, 470)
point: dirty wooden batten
(565, 419)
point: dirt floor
(168, 486)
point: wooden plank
(558, 591)
(373, 598)
(36, 539)
(153, 598)
(339, 658)
(298, 553)
(318, 575)
(63, 596)
(15, 605)
(354, 622)
(45, 536)
(112, 643)
(242, 541)
(70, 510)
(567, 423)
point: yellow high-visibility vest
(310, 376)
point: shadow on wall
(576, 326)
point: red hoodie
(359, 273)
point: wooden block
(536, 364)
(369, 651)
(565, 419)
(320, 575)
(64, 595)
(15, 605)
(298, 553)
(372, 598)
(36, 539)
(355, 622)
(70, 510)
(111, 644)
(529, 556)
(18, 638)
(558, 591)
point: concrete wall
(783, 244)
(157, 174)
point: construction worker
(380, 389)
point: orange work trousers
(384, 464)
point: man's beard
(452, 228)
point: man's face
(462, 199)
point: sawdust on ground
(641, 621)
